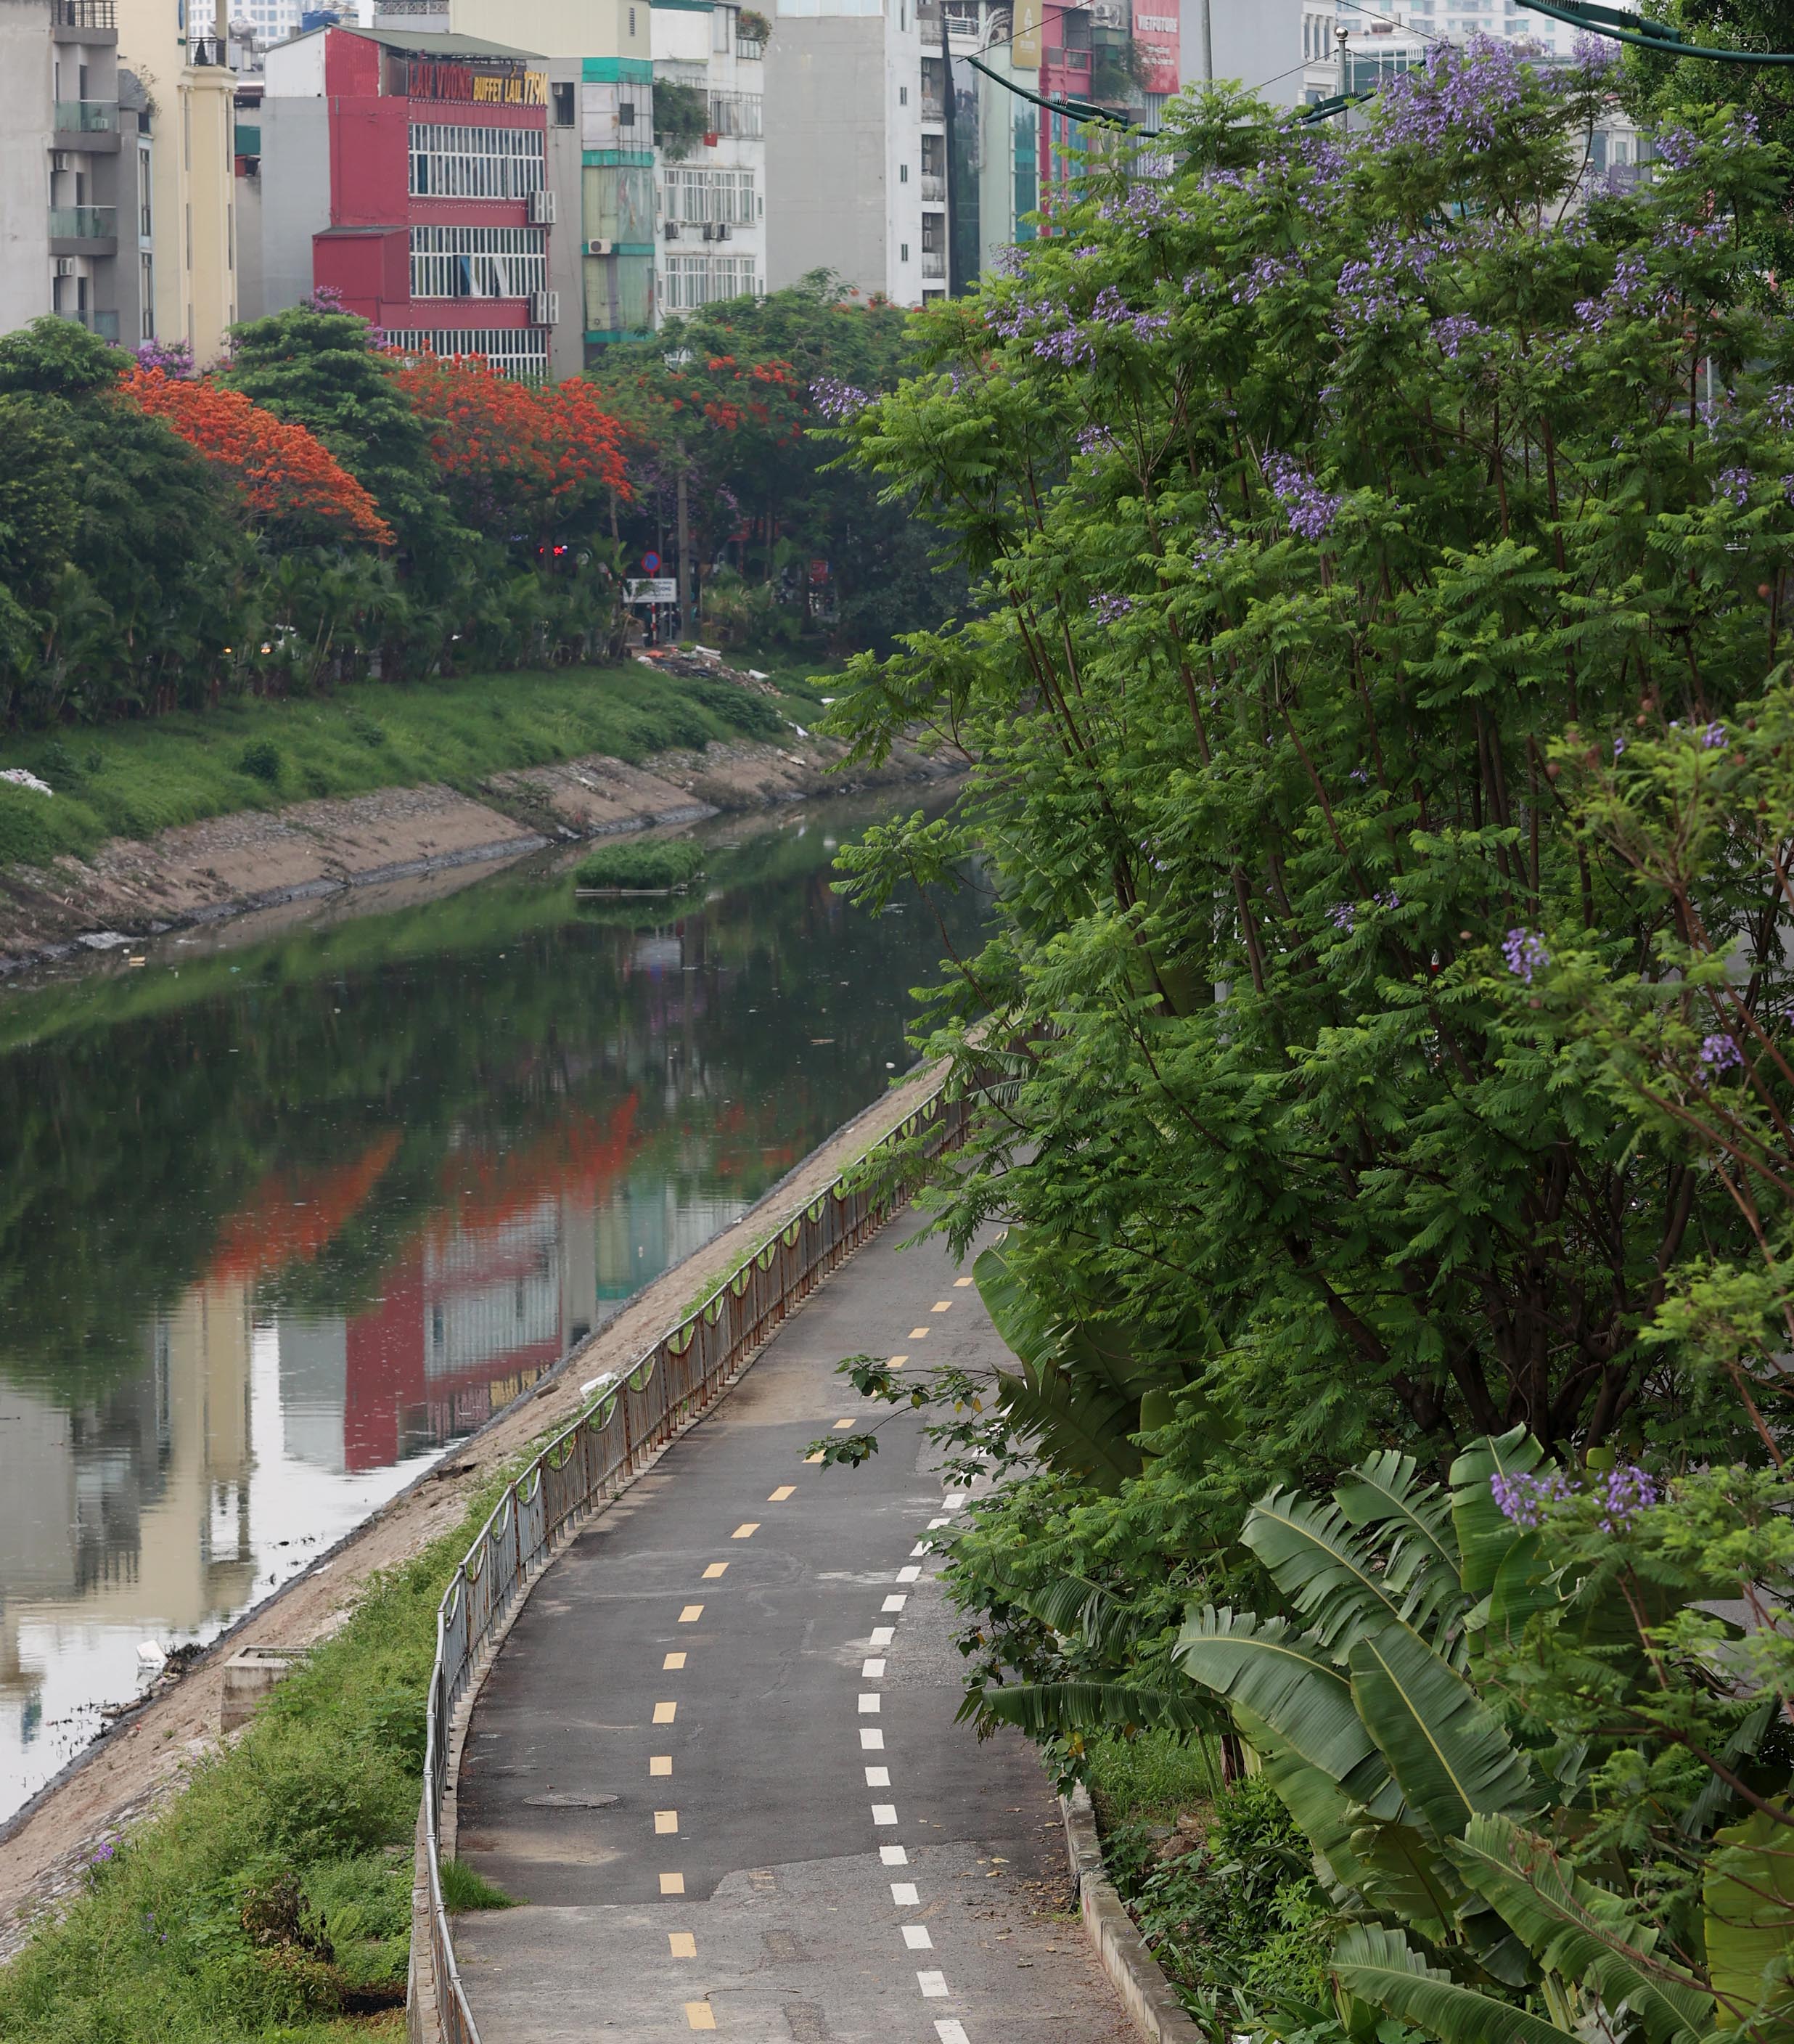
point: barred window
(516, 351)
(735, 113)
(477, 262)
(699, 196)
(692, 281)
(451, 161)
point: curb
(1151, 2001)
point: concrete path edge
(1151, 2001)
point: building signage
(658, 588)
(1156, 37)
(1024, 45)
(487, 85)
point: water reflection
(279, 1221)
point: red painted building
(407, 172)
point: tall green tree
(1317, 492)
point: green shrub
(664, 863)
(751, 714)
(260, 758)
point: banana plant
(1427, 1820)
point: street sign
(650, 563)
(660, 589)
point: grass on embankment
(271, 1900)
(131, 780)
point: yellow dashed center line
(959, 1283)
(918, 1334)
(672, 1883)
(682, 1944)
(784, 1491)
(660, 1763)
(841, 1425)
(701, 2015)
(666, 1821)
(898, 1362)
(674, 1660)
(817, 1458)
(715, 1570)
(747, 1530)
(692, 1613)
(941, 1306)
(663, 1713)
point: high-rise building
(183, 58)
(712, 182)
(76, 219)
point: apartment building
(405, 169)
(711, 186)
(76, 217)
(182, 57)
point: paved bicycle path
(751, 1655)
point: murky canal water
(281, 1216)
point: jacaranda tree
(1318, 492)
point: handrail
(631, 1416)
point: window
(146, 224)
(692, 281)
(698, 197)
(146, 296)
(454, 162)
(902, 251)
(477, 262)
(903, 95)
(903, 174)
(563, 98)
(722, 24)
(735, 113)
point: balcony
(103, 324)
(83, 223)
(752, 47)
(90, 125)
(74, 20)
(208, 53)
(934, 187)
(933, 262)
(934, 107)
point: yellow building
(182, 57)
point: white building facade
(711, 192)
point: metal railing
(634, 1414)
(84, 13)
(752, 47)
(934, 187)
(83, 223)
(934, 262)
(105, 324)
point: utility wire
(1645, 34)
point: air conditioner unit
(62, 159)
(724, 232)
(709, 231)
(544, 308)
(601, 247)
(672, 230)
(542, 207)
(65, 266)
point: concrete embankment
(128, 1774)
(253, 860)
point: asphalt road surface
(716, 1761)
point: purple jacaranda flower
(1778, 408)
(1596, 55)
(1452, 333)
(1342, 917)
(1734, 484)
(1360, 776)
(1389, 900)
(1720, 1053)
(1524, 950)
(1453, 104)
(1624, 1493)
(173, 358)
(1111, 610)
(1676, 147)
(1618, 747)
(837, 401)
(1713, 737)
(1095, 439)
(1521, 1499)
(1309, 508)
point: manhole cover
(570, 1799)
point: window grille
(517, 351)
(735, 113)
(693, 281)
(699, 196)
(451, 161)
(477, 262)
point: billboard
(1156, 40)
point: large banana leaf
(1485, 1537)
(1406, 1876)
(1379, 1966)
(1748, 1896)
(1577, 1929)
(1382, 1492)
(1321, 1809)
(1065, 1709)
(1331, 1577)
(1282, 1675)
(1449, 1754)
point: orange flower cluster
(504, 447)
(283, 470)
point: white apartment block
(712, 202)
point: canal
(284, 1212)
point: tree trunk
(684, 549)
